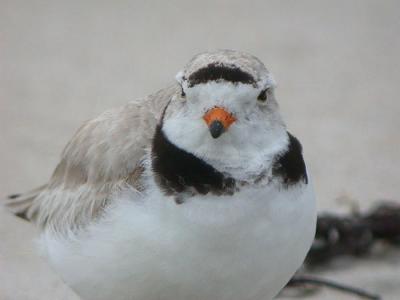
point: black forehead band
(216, 72)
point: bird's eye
(183, 95)
(262, 97)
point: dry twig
(354, 235)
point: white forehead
(222, 91)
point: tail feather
(20, 204)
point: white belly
(209, 248)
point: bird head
(225, 110)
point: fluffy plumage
(102, 158)
(146, 204)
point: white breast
(238, 247)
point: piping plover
(194, 192)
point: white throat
(244, 151)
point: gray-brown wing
(102, 157)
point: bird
(195, 192)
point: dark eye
(263, 95)
(183, 95)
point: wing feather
(102, 157)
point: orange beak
(218, 120)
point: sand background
(336, 63)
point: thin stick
(305, 279)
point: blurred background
(336, 63)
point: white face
(254, 137)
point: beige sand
(337, 65)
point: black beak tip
(216, 129)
